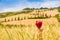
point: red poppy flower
(39, 24)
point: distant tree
(21, 18)
(50, 16)
(15, 18)
(32, 8)
(46, 16)
(12, 19)
(58, 9)
(29, 9)
(5, 19)
(43, 8)
(18, 18)
(8, 20)
(26, 9)
(24, 18)
(51, 9)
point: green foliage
(8, 25)
(1, 23)
(2, 15)
(43, 8)
(58, 17)
(28, 8)
(27, 11)
(51, 9)
(34, 8)
(58, 9)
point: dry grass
(26, 29)
(51, 31)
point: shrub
(58, 17)
(1, 23)
(8, 25)
(58, 9)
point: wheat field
(13, 28)
(51, 31)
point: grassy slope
(6, 14)
(51, 31)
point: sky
(14, 5)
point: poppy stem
(40, 35)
